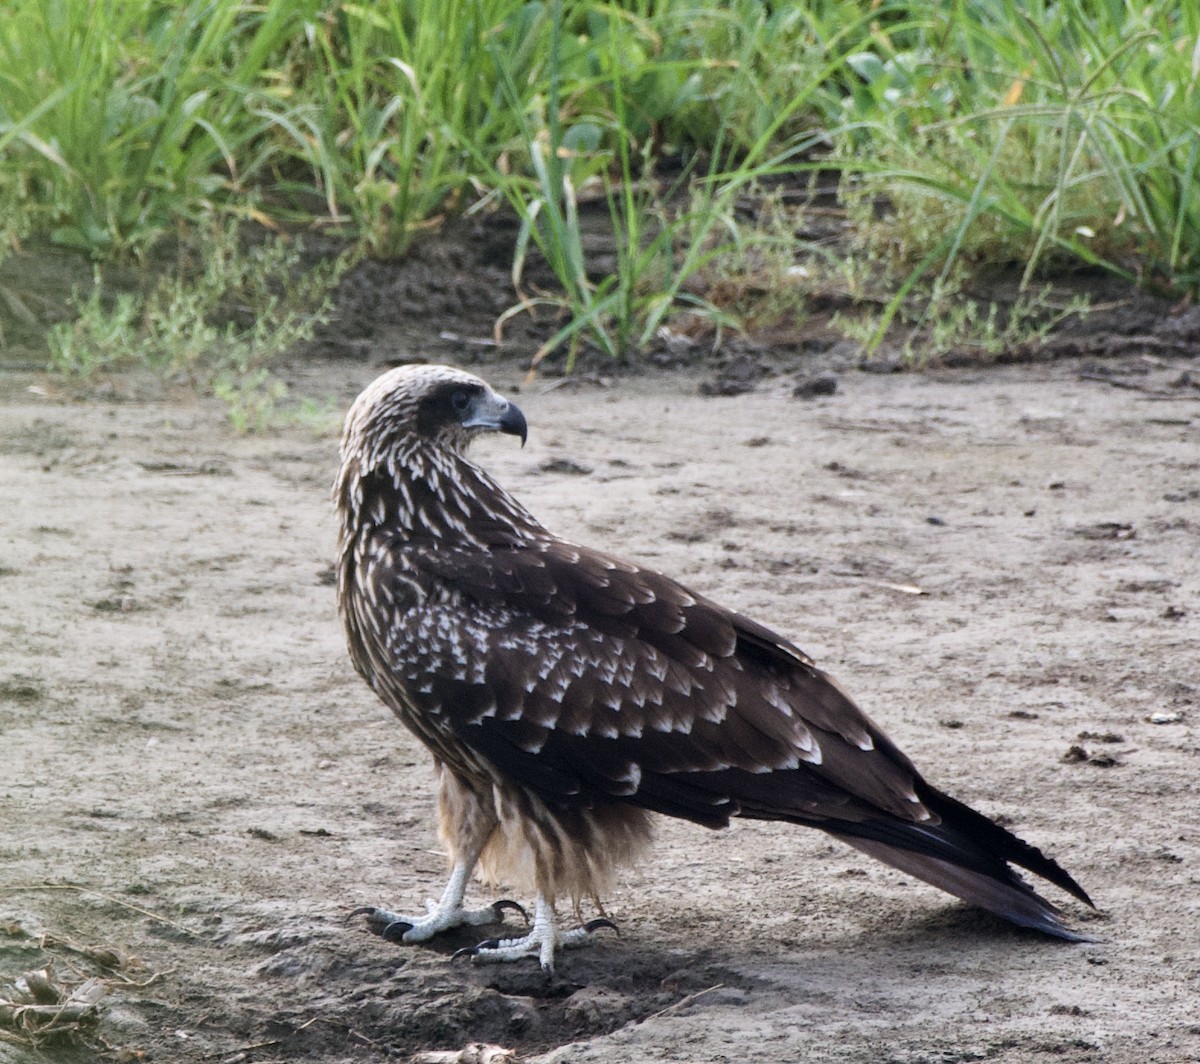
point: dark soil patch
(443, 299)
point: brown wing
(590, 679)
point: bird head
(421, 405)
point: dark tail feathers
(969, 856)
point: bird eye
(460, 400)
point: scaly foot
(541, 941)
(440, 917)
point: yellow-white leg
(441, 915)
(543, 939)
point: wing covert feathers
(604, 682)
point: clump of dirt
(401, 1003)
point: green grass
(1026, 132)
(1037, 134)
(124, 118)
(664, 234)
(393, 101)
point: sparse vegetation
(663, 236)
(218, 318)
(941, 319)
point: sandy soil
(192, 778)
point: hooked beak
(499, 415)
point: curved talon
(508, 903)
(392, 931)
(466, 951)
(601, 922)
(391, 935)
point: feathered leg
(541, 941)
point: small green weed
(251, 397)
(218, 319)
(103, 334)
(943, 321)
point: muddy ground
(1002, 564)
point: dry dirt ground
(195, 789)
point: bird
(569, 696)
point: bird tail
(969, 856)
